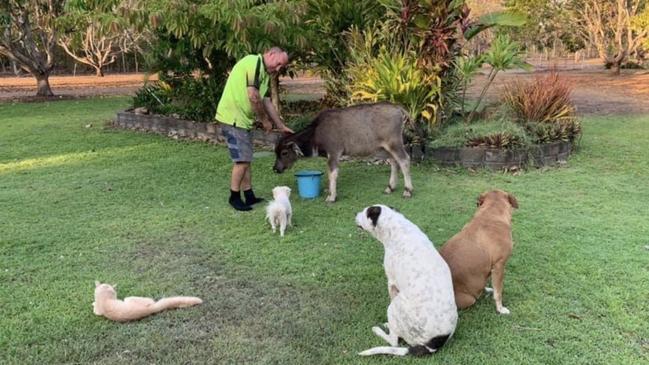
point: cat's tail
(430, 347)
(385, 350)
(175, 302)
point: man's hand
(285, 129)
(267, 125)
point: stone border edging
(180, 128)
(549, 154)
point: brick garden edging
(475, 157)
(548, 154)
(180, 128)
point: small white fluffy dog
(278, 211)
(422, 308)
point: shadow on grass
(243, 319)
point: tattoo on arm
(257, 106)
(272, 112)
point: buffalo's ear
(512, 201)
(481, 199)
(295, 148)
(373, 214)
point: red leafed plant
(545, 99)
(543, 105)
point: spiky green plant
(466, 67)
(567, 130)
(504, 54)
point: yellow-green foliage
(640, 25)
(394, 76)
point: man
(243, 100)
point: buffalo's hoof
(407, 193)
(388, 190)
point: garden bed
(474, 157)
(548, 154)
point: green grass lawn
(80, 202)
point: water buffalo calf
(361, 131)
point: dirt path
(19, 88)
(595, 90)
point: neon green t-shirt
(234, 107)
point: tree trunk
(43, 83)
(16, 68)
(616, 68)
(99, 72)
(274, 92)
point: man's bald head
(275, 59)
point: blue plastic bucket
(308, 183)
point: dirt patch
(21, 89)
(596, 91)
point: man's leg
(246, 186)
(240, 147)
(239, 170)
(246, 181)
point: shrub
(545, 99)
(153, 96)
(379, 70)
(300, 113)
(196, 98)
(192, 98)
(300, 106)
(544, 107)
(567, 130)
(395, 77)
(299, 122)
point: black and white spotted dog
(422, 310)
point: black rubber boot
(236, 202)
(251, 198)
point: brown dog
(481, 249)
